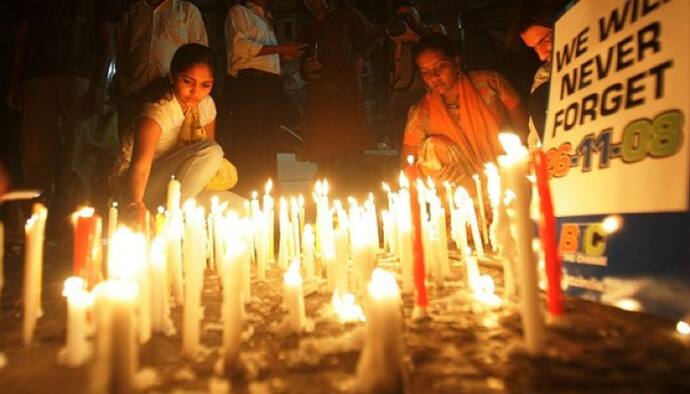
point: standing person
(148, 36)
(259, 97)
(175, 133)
(406, 85)
(59, 69)
(334, 120)
(453, 130)
(536, 31)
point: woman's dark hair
(435, 42)
(185, 57)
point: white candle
(269, 212)
(33, 267)
(294, 299)
(480, 202)
(341, 260)
(493, 188)
(379, 369)
(404, 219)
(308, 251)
(77, 348)
(285, 231)
(122, 297)
(174, 230)
(516, 166)
(174, 195)
(112, 219)
(294, 221)
(160, 298)
(233, 303)
(192, 259)
(467, 205)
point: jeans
(194, 166)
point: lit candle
(467, 205)
(480, 202)
(33, 267)
(112, 219)
(285, 231)
(515, 164)
(294, 299)
(300, 202)
(493, 189)
(173, 232)
(340, 262)
(404, 220)
(192, 258)
(233, 303)
(122, 298)
(308, 251)
(160, 298)
(418, 249)
(174, 195)
(269, 212)
(294, 219)
(379, 369)
(160, 220)
(77, 348)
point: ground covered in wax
(465, 347)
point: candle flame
(510, 142)
(255, 195)
(318, 188)
(383, 285)
(346, 308)
(629, 304)
(461, 195)
(325, 187)
(683, 327)
(410, 159)
(300, 201)
(269, 186)
(128, 254)
(484, 291)
(493, 183)
(84, 212)
(385, 187)
(292, 275)
(161, 210)
(115, 204)
(73, 285)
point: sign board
(618, 148)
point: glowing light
(683, 327)
(511, 142)
(269, 186)
(402, 179)
(85, 212)
(73, 285)
(629, 304)
(410, 159)
(385, 186)
(346, 308)
(485, 291)
(161, 210)
(612, 224)
(115, 204)
(383, 285)
(255, 195)
(130, 255)
(493, 183)
(461, 195)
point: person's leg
(193, 165)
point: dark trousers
(257, 113)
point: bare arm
(145, 139)
(211, 130)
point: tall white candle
(269, 212)
(308, 251)
(468, 207)
(77, 348)
(192, 259)
(174, 195)
(233, 303)
(285, 231)
(516, 166)
(294, 298)
(480, 202)
(341, 260)
(493, 188)
(160, 298)
(294, 222)
(33, 267)
(404, 220)
(173, 231)
(379, 369)
(122, 297)
(112, 219)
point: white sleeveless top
(169, 116)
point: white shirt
(148, 38)
(169, 116)
(247, 30)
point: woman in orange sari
(453, 131)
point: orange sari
(475, 133)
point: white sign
(619, 106)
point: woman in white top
(182, 108)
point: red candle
(84, 234)
(547, 230)
(417, 247)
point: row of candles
(147, 272)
